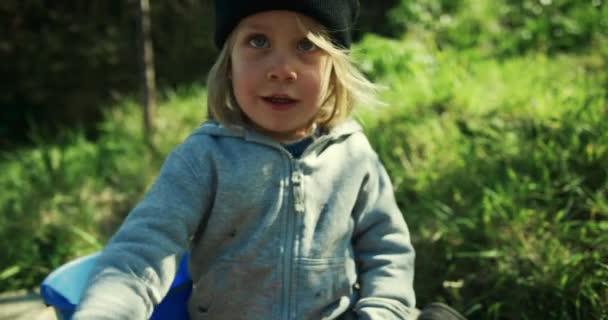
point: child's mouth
(280, 102)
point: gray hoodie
(270, 236)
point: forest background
(494, 133)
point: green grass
(499, 167)
(62, 199)
(500, 170)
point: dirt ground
(24, 305)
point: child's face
(279, 77)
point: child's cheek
(317, 81)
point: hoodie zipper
(295, 210)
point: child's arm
(136, 268)
(383, 252)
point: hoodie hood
(214, 128)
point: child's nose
(282, 68)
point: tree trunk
(147, 66)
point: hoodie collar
(214, 128)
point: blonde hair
(347, 86)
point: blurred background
(495, 134)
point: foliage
(423, 13)
(68, 60)
(372, 18)
(499, 168)
(506, 27)
(62, 199)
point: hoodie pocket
(234, 290)
(324, 288)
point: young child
(283, 205)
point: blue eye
(306, 45)
(259, 41)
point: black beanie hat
(338, 16)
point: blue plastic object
(63, 287)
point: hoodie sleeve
(383, 252)
(136, 268)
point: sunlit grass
(62, 199)
(499, 168)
